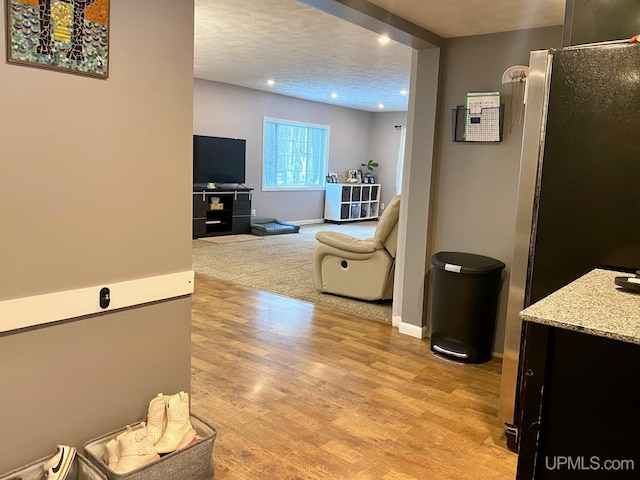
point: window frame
(323, 180)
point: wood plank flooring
(303, 392)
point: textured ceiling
(308, 53)
(311, 54)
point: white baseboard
(307, 222)
(412, 330)
(395, 320)
(313, 221)
(53, 307)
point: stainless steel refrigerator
(579, 193)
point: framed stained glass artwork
(66, 35)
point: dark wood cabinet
(580, 400)
(199, 215)
(578, 412)
(221, 212)
(241, 218)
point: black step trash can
(466, 288)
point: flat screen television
(218, 159)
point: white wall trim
(396, 320)
(412, 330)
(54, 307)
(307, 222)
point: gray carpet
(282, 264)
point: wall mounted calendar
(483, 117)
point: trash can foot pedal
(446, 351)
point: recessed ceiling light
(384, 39)
(403, 92)
(380, 106)
(334, 95)
(271, 82)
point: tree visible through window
(294, 155)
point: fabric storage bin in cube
(81, 469)
(194, 462)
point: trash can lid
(460, 262)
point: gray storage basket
(194, 462)
(81, 469)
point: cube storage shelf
(348, 202)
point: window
(294, 155)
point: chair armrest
(345, 242)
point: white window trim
(293, 189)
(321, 187)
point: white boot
(112, 450)
(179, 432)
(157, 418)
(135, 450)
(112, 453)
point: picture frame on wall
(70, 36)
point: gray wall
(415, 227)
(95, 178)
(477, 183)
(230, 111)
(384, 144)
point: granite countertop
(592, 304)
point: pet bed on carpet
(272, 226)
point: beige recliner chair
(356, 268)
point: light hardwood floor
(302, 392)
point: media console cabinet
(221, 211)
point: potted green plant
(369, 166)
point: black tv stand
(222, 210)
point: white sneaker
(57, 467)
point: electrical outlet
(381, 206)
(253, 212)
